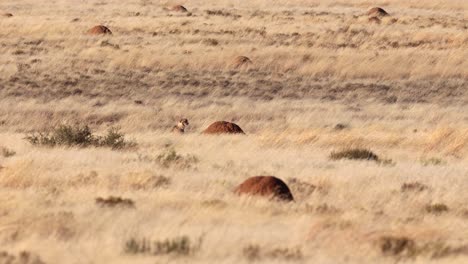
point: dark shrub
(80, 136)
(354, 154)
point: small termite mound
(99, 30)
(223, 127)
(7, 14)
(377, 12)
(266, 186)
(374, 20)
(241, 61)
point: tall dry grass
(323, 79)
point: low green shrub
(79, 136)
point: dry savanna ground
(321, 76)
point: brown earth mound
(374, 20)
(7, 14)
(268, 186)
(99, 30)
(178, 8)
(377, 11)
(241, 61)
(223, 127)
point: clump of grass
(6, 153)
(23, 257)
(64, 135)
(114, 139)
(386, 162)
(433, 162)
(152, 182)
(113, 201)
(179, 246)
(210, 42)
(251, 252)
(439, 250)
(397, 246)
(354, 154)
(216, 203)
(171, 158)
(255, 252)
(404, 247)
(437, 208)
(340, 126)
(413, 186)
(285, 253)
(80, 136)
(323, 208)
(304, 188)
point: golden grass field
(323, 78)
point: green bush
(80, 136)
(114, 139)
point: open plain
(318, 77)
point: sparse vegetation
(6, 153)
(340, 126)
(210, 42)
(251, 252)
(79, 136)
(432, 161)
(170, 158)
(113, 201)
(397, 246)
(23, 257)
(354, 154)
(215, 203)
(178, 246)
(301, 187)
(436, 208)
(413, 187)
(301, 78)
(157, 181)
(323, 208)
(255, 252)
(407, 248)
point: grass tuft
(354, 154)
(433, 162)
(113, 201)
(172, 158)
(179, 246)
(6, 153)
(23, 257)
(401, 247)
(255, 252)
(437, 208)
(413, 186)
(397, 246)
